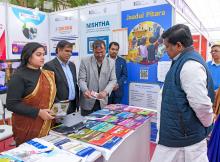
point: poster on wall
(146, 22)
(26, 25)
(97, 23)
(149, 92)
(2, 32)
(64, 26)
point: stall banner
(97, 23)
(145, 26)
(26, 25)
(203, 42)
(2, 32)
(64, 26)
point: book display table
(118, 133)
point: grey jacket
(89, 80)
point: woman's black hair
(27, 51)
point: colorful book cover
(144, 112)
(8, 158)
(90, 136)
(118, 107)
(80, 134)
(96, 116)
(85, 152)
(81, 150)
(107, 127)
(118, 120)
(61, 142)
(125, 115)
(141, 118)
(119, 131)
(98, 126)
(132, 109)
(112, 119)
(130, 123)
(101, 139)
(112, 142)
(103, 112)
(105, 118)
(69, 145)
(91, 123)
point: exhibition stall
(138, 23)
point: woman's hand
(46, 114)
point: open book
(60, 108)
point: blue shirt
(215, 73)
(69, 78)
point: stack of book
(107, 126)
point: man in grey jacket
(96, 74)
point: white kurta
(193, 153)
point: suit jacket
(121, 75)
(62, 84)
(89, 80)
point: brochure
(60, 108)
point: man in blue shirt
(65, 75)
(214, 65)
(121, 74)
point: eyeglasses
(215, 51)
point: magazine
(90, 136)
(141, 118)
(60, 108)
(132, 109)
(125, 115)
(91, 123)
(107, 127)
(130, 123)
(119, 131)
(116, 107)
(101, 139)
(81, 133)
(112, 142)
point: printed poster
(26, 25)
(64, 26)
(145, 45)
(97, 23)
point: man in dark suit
(65, 76)
(121, 74)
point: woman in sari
(214, 142)
(31, 93)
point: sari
(42, 97)
(214, 143)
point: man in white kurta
(193, 81)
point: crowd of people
(190, 94)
